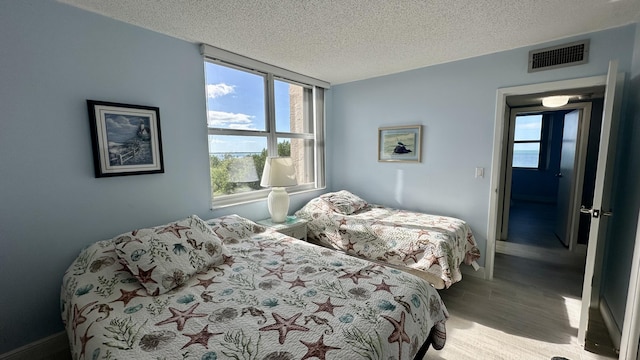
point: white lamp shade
(555, 101)
(278, 172)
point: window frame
(541, 142)
(317, 122)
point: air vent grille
(571, 54)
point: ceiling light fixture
(555, 101)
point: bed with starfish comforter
(228, 288)
(430, 246)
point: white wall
(455, 102)
(52, 58)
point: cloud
(121, 128)
(226, 120)
(119, 122)
(528, 125)
(217, 90)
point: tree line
(227, 169)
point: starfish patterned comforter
(432, 244)
(228, 288)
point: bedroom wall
(626, 200)
(456, 103)
(52, 58)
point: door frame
(575, 196)
(499, 150)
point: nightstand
(296, 228)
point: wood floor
(530, 310)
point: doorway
(503, 113)
(549, 172)
(601, 200)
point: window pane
(235, 98)
(236, 163)
(301, 151)
(526, 155)
(292, 105)
(528, 127)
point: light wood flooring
(530, 310)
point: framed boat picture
(126, 139)
(400, 143)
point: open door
(566, 175)
(575, 138)
(601, 211)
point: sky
(236, 100)
(528, 127)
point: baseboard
(42, 349)
(614, 332)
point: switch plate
(479, 172)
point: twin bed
(228, 288)
(430, 246)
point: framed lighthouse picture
(400, 143)
(126, 139)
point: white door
(566, 176)
(601, 197)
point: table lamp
(278, 173)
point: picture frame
(400, 143)
(126, 139)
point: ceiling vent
(570, 54)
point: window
(527, 141)
(255, 111)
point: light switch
(479, 172)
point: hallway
(533, 223)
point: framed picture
(126, 139)
(400, 143)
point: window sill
(255, 196)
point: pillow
(344, 202)
(165, 257)
(231, 228)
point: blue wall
(626, 199)
(52, 58)
(456, 104)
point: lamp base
(278, 203)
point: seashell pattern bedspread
(271, 297)
(434, 244)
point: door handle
(584, 210)
(559, 175)
(595, 212)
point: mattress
(265, 296)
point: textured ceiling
(346, 40)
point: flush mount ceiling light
(555, 101)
